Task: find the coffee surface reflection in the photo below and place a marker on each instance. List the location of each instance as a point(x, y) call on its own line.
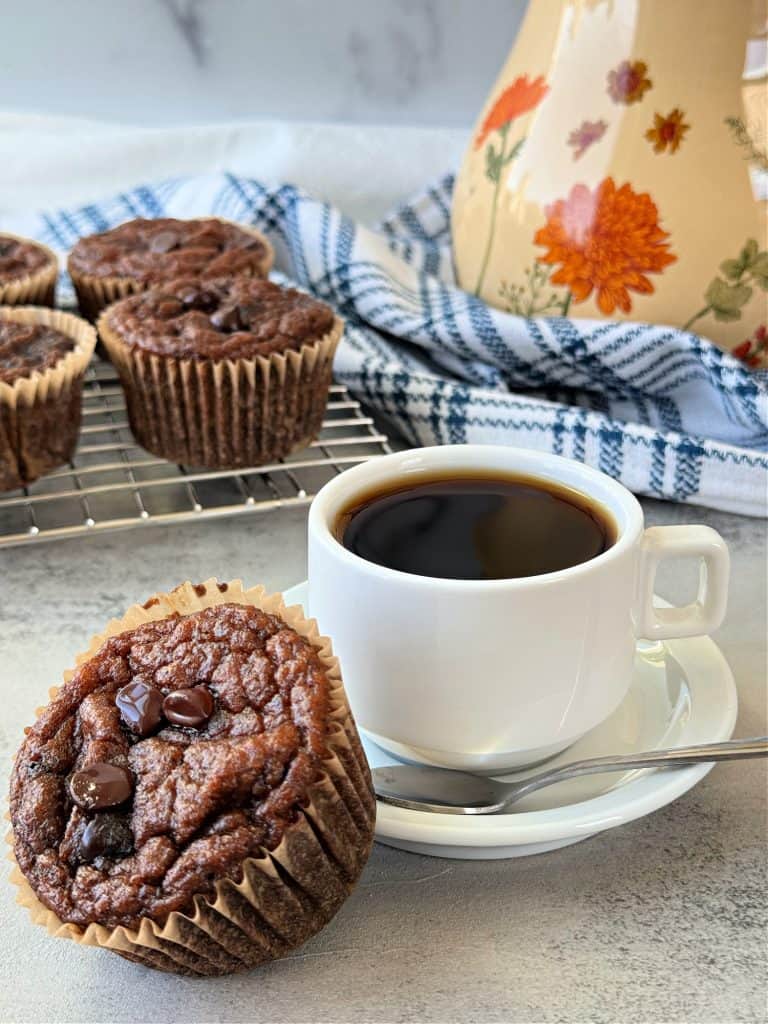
point(472, 527)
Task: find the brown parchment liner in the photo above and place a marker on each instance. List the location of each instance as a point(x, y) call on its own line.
point(36, 289)
point(224, 414)
point(95, 293)
point(286, 894)
point(40, 413)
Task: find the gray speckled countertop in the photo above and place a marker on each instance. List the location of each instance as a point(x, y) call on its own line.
point(660, 920)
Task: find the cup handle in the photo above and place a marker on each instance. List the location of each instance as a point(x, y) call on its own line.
point(708, 610)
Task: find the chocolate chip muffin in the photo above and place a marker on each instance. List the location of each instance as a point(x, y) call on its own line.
point(222, 374)
point(28, 272)
point(43, 356)
point(195, 796)
point(142, 253)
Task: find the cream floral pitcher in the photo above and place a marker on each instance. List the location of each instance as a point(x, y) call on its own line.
point(609, 173)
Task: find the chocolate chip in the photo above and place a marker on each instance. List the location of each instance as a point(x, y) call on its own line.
point(206, 300)
point(169, 308)
point(190, 296)
point(100, 785)
point(163, 241)
point(197, 298)
point(141, 707)
point(191, 707)
point(245, 314)
point(106, 834)
point(226, 319)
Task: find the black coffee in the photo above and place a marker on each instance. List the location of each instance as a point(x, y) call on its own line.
point(474, 527)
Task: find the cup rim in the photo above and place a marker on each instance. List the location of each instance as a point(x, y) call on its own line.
point(338, 491)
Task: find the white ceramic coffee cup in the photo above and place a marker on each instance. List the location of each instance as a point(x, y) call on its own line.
point(486, 675)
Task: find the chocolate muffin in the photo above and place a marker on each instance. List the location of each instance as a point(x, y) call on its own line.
point(43, 356)
point(195, 796)
point(28, 272)
point(222, 374)
point(142, 253)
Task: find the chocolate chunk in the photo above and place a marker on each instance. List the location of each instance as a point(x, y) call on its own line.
point(141, 707)
point(163, 241)
point(189, 295)
point(197, 298)
point(191, 707)
point(206, 300)
point(227, 319)
point(106, 834)
point(100, 785)
point(169, 308)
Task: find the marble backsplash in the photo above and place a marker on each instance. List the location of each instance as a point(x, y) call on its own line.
point(164, 61)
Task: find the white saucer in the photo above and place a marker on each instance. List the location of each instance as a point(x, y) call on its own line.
point(682, 693)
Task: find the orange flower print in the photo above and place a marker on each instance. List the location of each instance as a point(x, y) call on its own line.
point(628, 83)
point(522, 96)
point(754, 351)
point(607, 241)
point(667, 132)
point(586, 135)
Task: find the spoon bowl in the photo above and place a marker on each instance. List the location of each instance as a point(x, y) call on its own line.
point(419, 787)
point(442, 791)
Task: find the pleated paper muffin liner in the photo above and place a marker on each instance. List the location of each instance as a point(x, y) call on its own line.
point(226, 414)
point(40, 413)
point(287, 894)
point(95, 293)
point(35, 289)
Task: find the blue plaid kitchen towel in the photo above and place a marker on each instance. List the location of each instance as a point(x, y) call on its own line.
point(661, 410)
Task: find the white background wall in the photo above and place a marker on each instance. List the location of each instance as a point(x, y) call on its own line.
point(165, 61)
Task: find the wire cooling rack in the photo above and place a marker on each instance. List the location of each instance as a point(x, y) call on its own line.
point(113, 484)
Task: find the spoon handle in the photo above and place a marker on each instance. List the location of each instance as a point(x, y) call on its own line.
point(733, 750)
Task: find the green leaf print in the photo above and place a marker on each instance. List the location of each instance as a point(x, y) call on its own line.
point(726, 300)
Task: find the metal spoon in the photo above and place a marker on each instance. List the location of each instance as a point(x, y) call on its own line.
point(421, 788)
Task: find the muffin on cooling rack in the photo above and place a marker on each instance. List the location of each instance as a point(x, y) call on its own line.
point(141, 253)
point(195, 797)
point(222, 374)
point(28, 272)
point(43, 356)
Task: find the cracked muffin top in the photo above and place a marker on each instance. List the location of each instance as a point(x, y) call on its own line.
point(181, 748)
point(20, 257)
point(237, 318)
point(25, 348)
point(160, 249)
